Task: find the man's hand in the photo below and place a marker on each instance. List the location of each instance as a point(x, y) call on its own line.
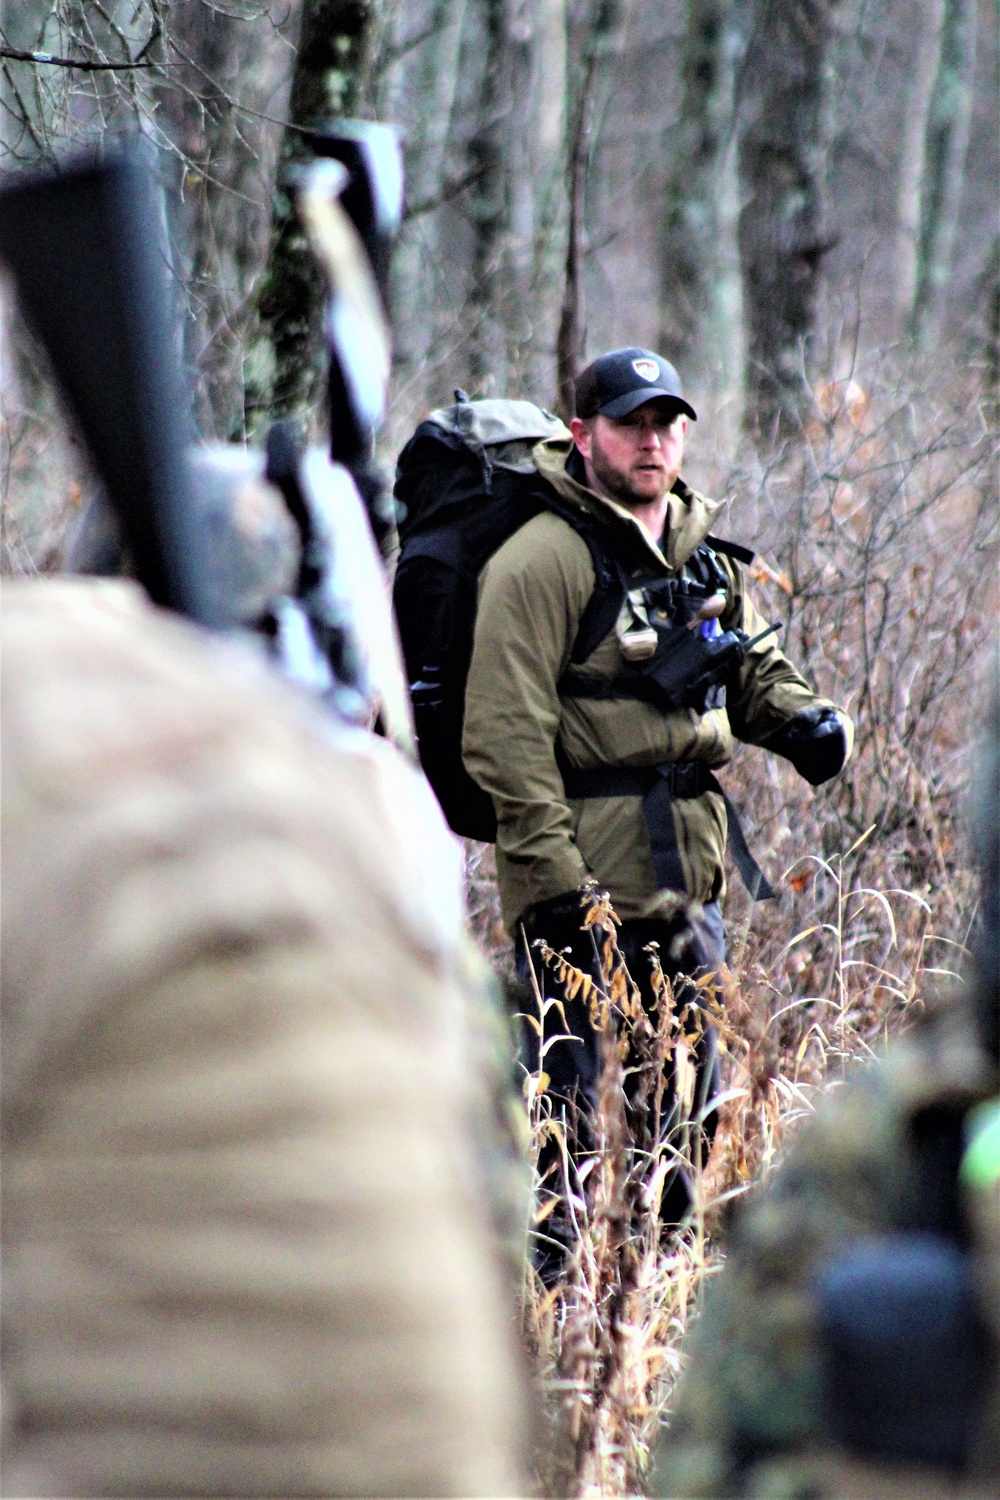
point(565, 911)
point(818, 742)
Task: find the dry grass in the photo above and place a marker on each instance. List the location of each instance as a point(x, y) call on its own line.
point(607, 1341)
point(798, 1009)
point(603, 1339)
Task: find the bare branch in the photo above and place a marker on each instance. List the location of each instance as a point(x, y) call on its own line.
point(14, 54)
point(448, 191)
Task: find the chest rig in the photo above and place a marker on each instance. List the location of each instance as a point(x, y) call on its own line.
point(666, 644)
point(676, 656)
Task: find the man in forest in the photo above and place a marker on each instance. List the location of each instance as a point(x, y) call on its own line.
point(603, 769)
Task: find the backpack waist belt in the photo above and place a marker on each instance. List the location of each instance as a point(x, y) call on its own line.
point(658, 786)
point(683, 778)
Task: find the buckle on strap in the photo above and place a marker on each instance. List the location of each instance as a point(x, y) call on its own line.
point(686, 778)
point(679, 779)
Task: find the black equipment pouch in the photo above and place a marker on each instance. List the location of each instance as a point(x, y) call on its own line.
point(687, 671)
point(692, 659)
point(690, 670)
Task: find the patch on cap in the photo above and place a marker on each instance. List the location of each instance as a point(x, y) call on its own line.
point(647, 369)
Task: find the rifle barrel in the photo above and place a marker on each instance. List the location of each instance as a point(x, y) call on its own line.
point(777, 625)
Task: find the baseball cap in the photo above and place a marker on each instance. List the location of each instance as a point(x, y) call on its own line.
point(620, 381)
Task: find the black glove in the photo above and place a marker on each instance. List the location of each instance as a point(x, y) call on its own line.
point(556, 913)
point(815, 742)
point(559, 921)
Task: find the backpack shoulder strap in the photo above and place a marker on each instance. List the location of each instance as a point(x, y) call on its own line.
point(734, 550)
point(604, 605)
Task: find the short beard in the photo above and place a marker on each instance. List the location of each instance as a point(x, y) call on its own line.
point(617, 485)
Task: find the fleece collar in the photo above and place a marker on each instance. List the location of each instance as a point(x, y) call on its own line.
point(689, 515)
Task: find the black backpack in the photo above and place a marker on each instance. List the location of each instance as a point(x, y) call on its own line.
point(466, 482)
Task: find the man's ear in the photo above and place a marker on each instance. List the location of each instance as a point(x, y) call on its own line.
point(581, 435)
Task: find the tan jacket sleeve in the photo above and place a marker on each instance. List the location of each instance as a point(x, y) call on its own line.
point(246, 1247)
point(531, 596)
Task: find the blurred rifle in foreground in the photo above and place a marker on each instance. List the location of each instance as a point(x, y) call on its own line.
point(355, 254)
point(83, 248)
point(86, 251)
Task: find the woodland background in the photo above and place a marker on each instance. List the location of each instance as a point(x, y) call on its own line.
point(768, 191)
point(797, 202)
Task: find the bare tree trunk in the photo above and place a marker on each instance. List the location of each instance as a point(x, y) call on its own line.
point(534, 149)
point(601, 41)
point(569, 339)
point(781, 227)
point(479, 88)
point(288, 354)
point(431, 83)
point(701, 276)
point(928, 20)
point(489, 209)
point(226, 89)
point(989, 338)
point(518, 209)
point(944, 167)
point(548, 157)
point(209, 87)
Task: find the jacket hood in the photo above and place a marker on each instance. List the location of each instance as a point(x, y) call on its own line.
point(689, 515)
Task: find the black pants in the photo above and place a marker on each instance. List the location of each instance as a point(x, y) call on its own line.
point(689, 946)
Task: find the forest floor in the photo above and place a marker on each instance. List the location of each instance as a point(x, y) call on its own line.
point(607, 1343)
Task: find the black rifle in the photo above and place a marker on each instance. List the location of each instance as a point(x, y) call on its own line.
point(91, 280)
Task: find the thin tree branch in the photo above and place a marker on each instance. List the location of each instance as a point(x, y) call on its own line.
point(449, 190)
point(14, 54)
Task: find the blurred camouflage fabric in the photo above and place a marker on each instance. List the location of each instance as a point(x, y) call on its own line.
point(749, 1417)
point(900, 1164)
point(248, 1246)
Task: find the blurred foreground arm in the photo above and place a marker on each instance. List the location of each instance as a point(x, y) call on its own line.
point(246, 1249)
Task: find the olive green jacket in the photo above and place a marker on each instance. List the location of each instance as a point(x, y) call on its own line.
point(532, 594)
